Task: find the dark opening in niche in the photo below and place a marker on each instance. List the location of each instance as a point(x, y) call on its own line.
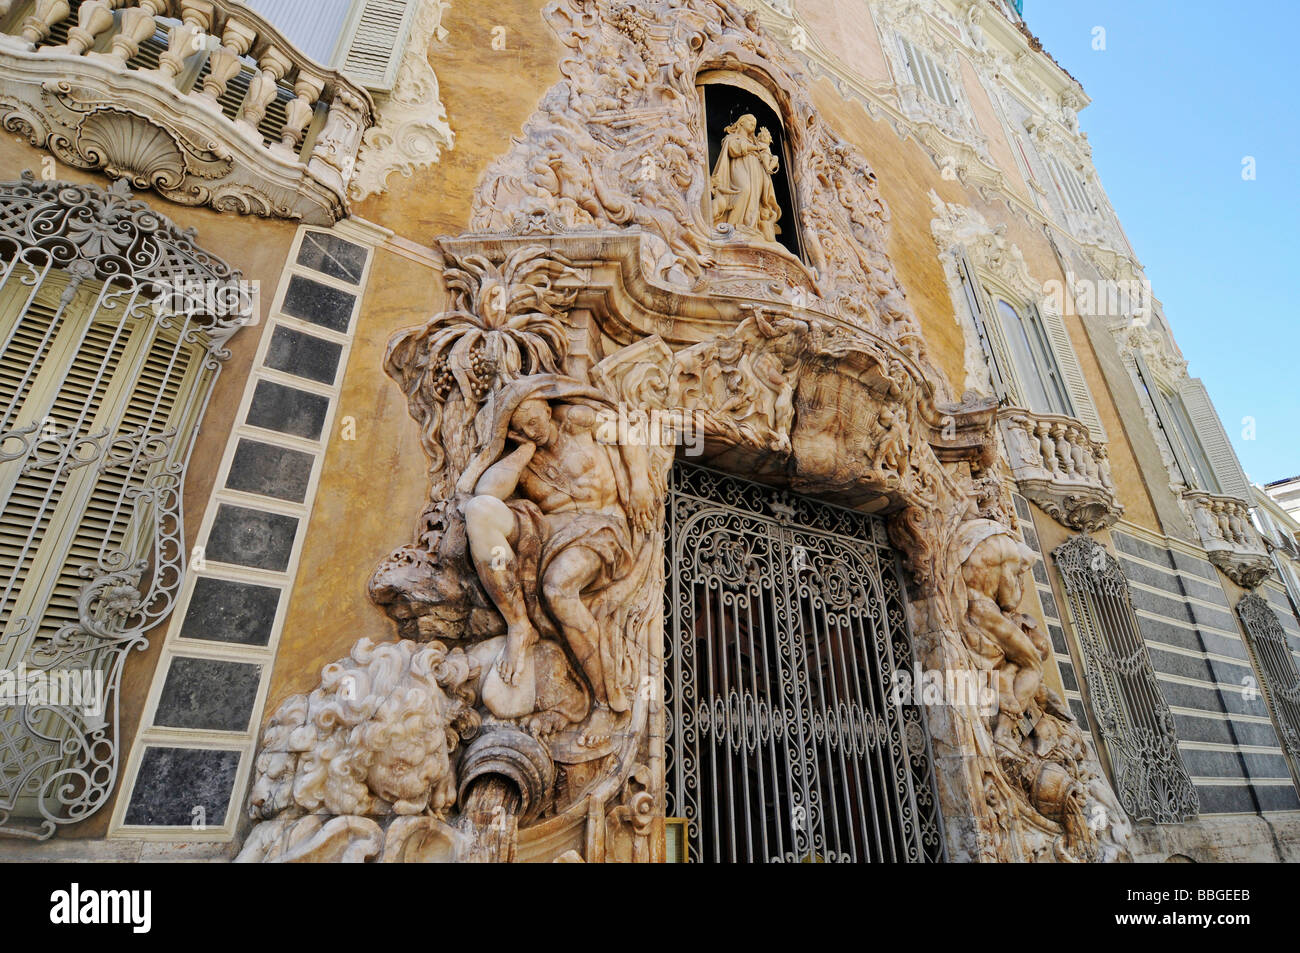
point(723, 105)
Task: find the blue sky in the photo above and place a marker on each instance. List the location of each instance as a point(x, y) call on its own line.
point(1183, 91)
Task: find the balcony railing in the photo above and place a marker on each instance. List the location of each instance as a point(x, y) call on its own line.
point(1229, 537)
point(202, 100)
point(1060, 467)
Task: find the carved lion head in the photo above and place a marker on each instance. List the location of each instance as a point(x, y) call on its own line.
point(376, 736)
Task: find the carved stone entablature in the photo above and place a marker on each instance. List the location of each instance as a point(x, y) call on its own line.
point(1058, 465)
point(104, 112)
point(1229, 537)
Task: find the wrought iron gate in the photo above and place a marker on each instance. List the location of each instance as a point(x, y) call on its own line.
point(785, 628)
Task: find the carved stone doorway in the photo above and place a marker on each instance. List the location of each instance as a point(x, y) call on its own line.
point(785, 630)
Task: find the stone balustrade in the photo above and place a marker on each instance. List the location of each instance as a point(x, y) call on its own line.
point(1229, 537)
point(1060, 467)
point(202, 100)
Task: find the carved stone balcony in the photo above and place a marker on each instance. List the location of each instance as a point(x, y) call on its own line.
point(1229, 537)
point(201, 100)
point(1060, 468)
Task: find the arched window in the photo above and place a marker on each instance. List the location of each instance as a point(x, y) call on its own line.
point(112, 329)
point(754, 147)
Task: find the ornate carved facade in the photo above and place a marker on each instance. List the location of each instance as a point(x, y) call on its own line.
point(541, 543)
point(683, 458)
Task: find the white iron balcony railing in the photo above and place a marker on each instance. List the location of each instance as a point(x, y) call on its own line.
point(1060, 467)
point(201, 100)
point(1229, 537)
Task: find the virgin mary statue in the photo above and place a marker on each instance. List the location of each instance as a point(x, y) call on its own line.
point(742, 191)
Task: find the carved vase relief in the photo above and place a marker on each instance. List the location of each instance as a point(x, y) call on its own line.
point(594, 323)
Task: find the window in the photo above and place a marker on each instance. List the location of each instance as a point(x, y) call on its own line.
point(1031, 361)
point(102, 385)
point(927, 74)
point(1035, 364)
point(1071, 185)
point(1201, 450)
point(1276, 666)
point(1136, 726)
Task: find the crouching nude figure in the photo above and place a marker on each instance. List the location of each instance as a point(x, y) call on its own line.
point(555, 518)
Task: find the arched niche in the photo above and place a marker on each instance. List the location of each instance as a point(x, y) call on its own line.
point(725, 96)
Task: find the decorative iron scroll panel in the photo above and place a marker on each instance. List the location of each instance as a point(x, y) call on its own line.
point(113, 327)
point(1277, 666)
point(1135, 721)
point(785, 628)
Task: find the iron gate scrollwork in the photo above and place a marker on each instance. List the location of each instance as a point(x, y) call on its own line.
point(785, 630)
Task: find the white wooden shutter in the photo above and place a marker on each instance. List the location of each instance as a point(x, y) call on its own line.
point(995, 354)
point(1214, 440)
point(1067, 365)
point(375, 42)
point(1164, 417)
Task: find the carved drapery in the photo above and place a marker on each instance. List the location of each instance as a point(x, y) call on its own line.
point(594, 320)
point(126, 456)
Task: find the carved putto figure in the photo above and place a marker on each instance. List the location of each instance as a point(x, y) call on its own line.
point(743, 195)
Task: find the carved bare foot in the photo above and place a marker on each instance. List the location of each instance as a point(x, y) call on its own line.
point(544, 724)
point(515, 652)
point(600, 725)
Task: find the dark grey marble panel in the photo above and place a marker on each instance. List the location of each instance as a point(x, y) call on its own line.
point(1195, 728)
point(1169, 607)
point(1080, 714)
point(1067, 676)
point(248, 537)
point(1141, 549)
point(172, 782)
point(1058, 638)
point(1022, 507)
point(1225, 799)
point(208, 694)
point(1213, 764)
point(1050, 608)
point(288, 410)
point(318, 303)
point(223, 610)
point(1172, 663)
point(1194, 566)
point(1204, 698)
point(303, 355)
point(1261, 765)
point(1277, 798)
point(278, 472)
point(332, 256)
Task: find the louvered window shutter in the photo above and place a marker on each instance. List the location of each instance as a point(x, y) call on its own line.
point(91, 378)
point(375, 42)
point(1164, 415)
point(995, 355)
point(1214, 440)
point(1069, 371)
